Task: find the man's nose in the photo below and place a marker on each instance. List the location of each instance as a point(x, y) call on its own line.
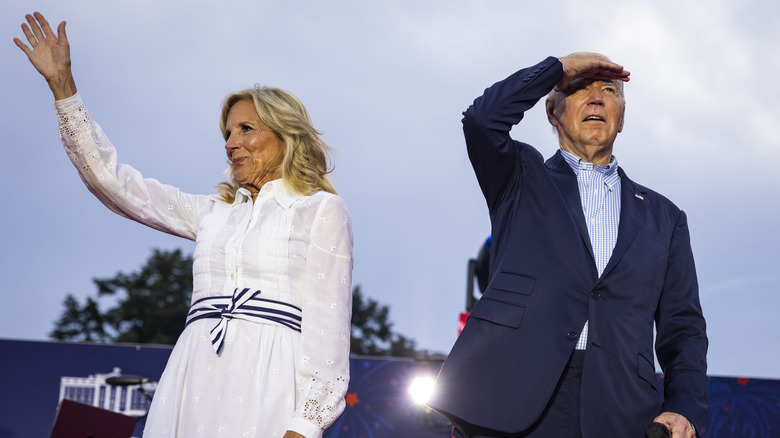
point(595, 97)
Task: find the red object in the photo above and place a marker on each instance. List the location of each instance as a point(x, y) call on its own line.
point(76, 420)
point(462, 322)
point(352, 399)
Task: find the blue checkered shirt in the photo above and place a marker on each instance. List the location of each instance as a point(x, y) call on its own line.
point(600, 197)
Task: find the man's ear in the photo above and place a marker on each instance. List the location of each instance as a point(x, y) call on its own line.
point(622, 118)
point(550, 108)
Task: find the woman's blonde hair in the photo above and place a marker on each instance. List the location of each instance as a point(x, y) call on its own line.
point(305, 164)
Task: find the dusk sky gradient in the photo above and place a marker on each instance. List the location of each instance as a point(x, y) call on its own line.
point(386, 82)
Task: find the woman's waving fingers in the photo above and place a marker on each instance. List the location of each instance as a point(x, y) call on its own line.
point(49, 53)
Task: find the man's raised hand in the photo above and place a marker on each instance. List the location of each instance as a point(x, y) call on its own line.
point(589, 66)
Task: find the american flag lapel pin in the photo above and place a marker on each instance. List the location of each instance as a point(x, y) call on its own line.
point(640, 197)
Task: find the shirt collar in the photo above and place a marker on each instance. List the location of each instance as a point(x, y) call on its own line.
point(284, 195)
point(576, 163)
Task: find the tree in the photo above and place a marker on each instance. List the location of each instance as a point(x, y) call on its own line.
point(372, 331)
point(153, 302)
point(79, 323)
point(151, 308)
point(156, 299)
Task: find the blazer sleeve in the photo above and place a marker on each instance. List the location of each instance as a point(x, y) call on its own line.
point(681, 342)
point(487, 122)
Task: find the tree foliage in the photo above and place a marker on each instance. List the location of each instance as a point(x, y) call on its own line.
point(81, 323)
point(372, 331)
point(152, 304)
point(151, 307)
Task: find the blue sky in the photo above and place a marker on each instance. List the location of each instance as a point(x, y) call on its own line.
point(386, 82)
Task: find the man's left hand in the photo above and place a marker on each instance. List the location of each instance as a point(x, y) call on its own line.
point(678, 425)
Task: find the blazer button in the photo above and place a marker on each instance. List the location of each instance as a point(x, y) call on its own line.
point(595, 295)
point(572, 335)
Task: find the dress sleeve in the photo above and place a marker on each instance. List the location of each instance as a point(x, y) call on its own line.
point(323, 372)
point(120, 187)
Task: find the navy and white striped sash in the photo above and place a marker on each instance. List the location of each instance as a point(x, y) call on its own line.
point(243, 305)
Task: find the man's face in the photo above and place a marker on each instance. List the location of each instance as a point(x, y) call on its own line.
point(590, 116)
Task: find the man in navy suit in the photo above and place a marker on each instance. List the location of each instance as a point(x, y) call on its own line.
point(584, 264)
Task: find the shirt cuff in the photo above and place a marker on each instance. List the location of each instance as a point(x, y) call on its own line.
point(62, 106)
point(305, 428)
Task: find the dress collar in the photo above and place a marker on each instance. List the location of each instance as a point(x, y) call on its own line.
point(284, 195)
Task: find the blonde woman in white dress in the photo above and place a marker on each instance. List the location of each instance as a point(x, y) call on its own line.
point(265, 352)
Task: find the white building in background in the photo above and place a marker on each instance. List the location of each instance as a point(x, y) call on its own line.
point(94, 391)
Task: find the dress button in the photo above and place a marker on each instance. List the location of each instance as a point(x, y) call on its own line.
point(595, 295)
point(572, 335)
point(233, 276)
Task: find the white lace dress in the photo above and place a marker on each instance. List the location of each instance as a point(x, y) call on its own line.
point(268, 377)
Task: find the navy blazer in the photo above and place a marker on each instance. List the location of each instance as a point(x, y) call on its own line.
point(504, 367)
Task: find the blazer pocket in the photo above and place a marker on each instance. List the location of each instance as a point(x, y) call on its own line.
point(509, 287)
point(498, 312)
point(646, 370)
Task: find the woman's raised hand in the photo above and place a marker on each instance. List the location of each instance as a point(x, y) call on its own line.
point(49, 54)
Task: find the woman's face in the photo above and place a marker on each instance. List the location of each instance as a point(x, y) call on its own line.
point(253, 149)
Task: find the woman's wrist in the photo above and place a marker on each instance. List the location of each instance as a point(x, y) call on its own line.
point(63, 87)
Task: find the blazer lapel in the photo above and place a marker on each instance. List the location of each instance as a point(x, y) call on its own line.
point(566, 181)
point(632, 213)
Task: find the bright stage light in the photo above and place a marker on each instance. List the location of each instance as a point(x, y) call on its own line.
point(421, 389)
